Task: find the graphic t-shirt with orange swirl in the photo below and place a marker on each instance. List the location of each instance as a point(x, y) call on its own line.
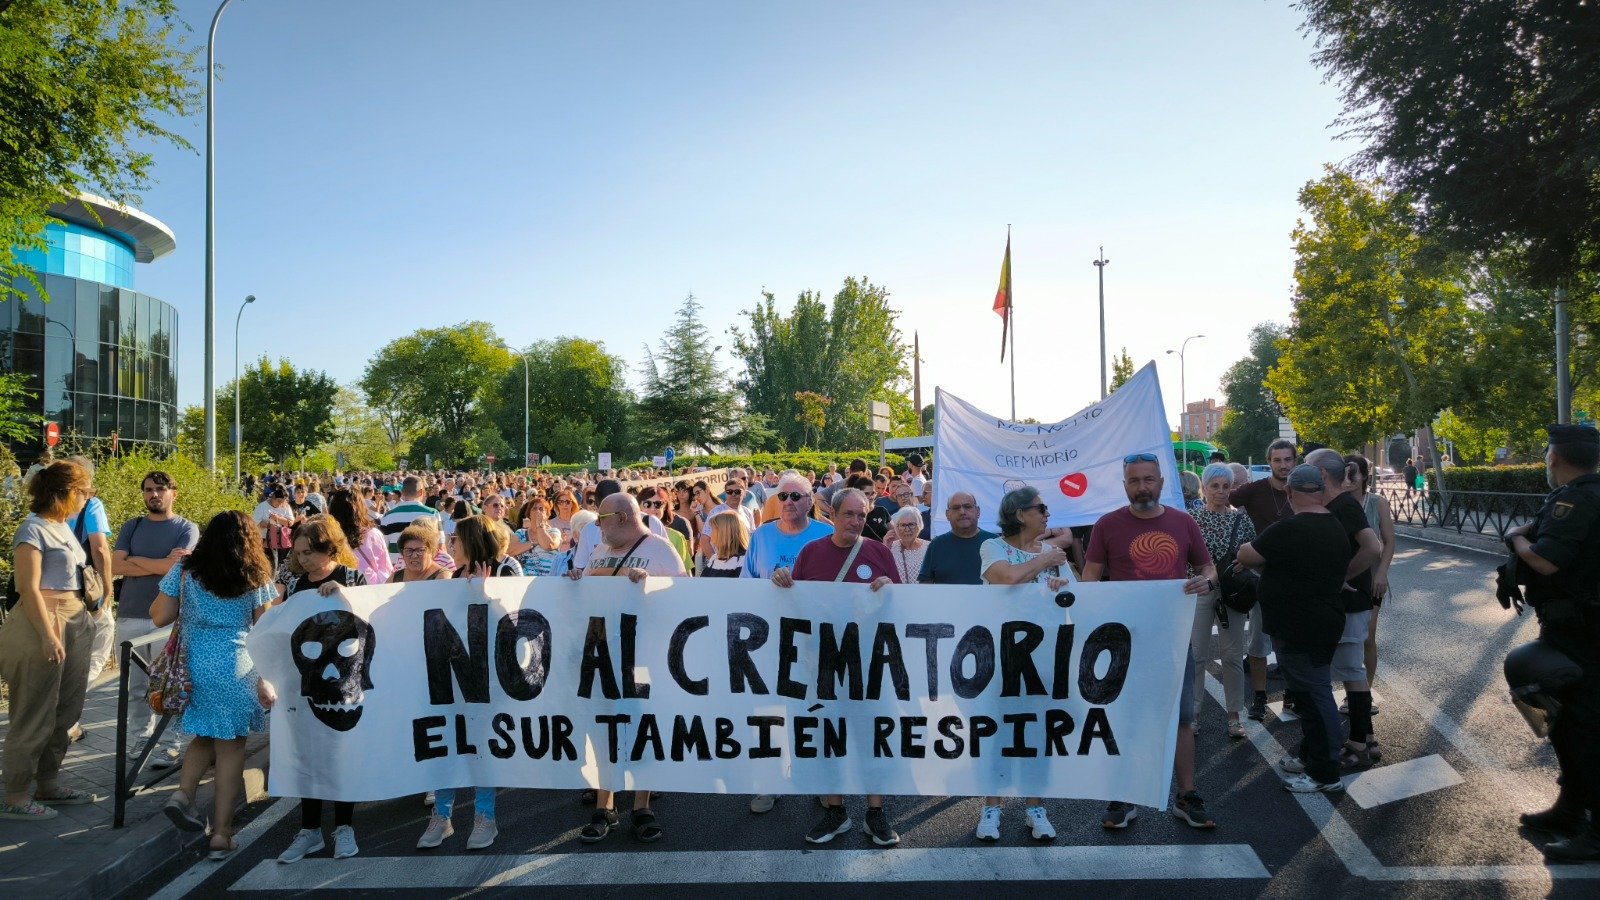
point(1135, 549)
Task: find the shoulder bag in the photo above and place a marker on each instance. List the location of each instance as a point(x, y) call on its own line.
point(170, 685)
point(1236, 583)
point(91, 587)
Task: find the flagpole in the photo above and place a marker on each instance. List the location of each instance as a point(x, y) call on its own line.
point(1011, 325)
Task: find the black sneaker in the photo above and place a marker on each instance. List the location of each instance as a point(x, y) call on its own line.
point(879, 829)
point(1258, 708)
point(1119, 815)
point(1191, 810)
point(1558, 820)
point(833, 823)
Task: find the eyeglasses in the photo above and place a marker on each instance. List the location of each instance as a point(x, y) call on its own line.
point(606, 516)
point(414, 551)
point(1132, 458)
point(785, 496)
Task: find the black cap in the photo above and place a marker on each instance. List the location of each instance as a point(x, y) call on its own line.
point(914, 459)
point(1573, 434)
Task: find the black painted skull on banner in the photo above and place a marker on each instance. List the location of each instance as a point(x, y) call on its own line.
point(333, 651)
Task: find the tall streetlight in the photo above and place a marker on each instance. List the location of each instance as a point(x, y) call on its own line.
point(1183, 397)
point(211, 247)
point(238, 388)
point(525, 448)
point(1100, 264)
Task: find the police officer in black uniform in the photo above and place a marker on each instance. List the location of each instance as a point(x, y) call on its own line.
point(1559, 558)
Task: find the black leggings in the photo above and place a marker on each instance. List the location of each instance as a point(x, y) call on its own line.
point(311, 813)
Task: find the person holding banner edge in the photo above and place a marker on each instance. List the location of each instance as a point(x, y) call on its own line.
point(1146, 541)
point(845, 556)
point(627, 548)
point(1022, 554)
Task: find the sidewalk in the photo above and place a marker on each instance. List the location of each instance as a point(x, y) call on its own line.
point(78, 854)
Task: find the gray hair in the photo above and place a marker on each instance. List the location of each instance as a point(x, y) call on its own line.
point(1191, 483)
point(1011, 504)
point(794, 479)
point(842, 494)
point(1239, 471)
point(906, 513)
point(1331, 463)
point(1216, 470)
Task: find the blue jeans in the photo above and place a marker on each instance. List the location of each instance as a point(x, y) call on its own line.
point(1305, 671)
point(483, 801)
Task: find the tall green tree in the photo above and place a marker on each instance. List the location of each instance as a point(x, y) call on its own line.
point(687, 400)
point(1380, 319)
point(1121, 369)
point(850, 352)
point(16, 423)
point(286, 413)
point(437, 382)
point(1484, 110)
point(1251, 422)
point(358, 433)
point(578, 398)
point(88, 87)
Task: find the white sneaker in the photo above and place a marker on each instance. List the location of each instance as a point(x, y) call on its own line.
point(1305, 784)
point(438, 829)
point(306, 842)
point(1292, 765)
point(1039, 820)
point(344, 842)
point(484, 831)
point(989, 824)
point(762, 803)
point(427, 799)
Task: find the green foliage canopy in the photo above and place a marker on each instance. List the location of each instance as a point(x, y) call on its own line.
point(1251, 422)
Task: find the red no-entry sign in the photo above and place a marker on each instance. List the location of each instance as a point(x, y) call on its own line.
point(52, 434)
point(1074, 485)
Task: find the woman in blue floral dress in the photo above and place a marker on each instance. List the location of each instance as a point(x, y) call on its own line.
point(218, 592)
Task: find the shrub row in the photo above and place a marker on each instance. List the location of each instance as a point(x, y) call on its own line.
point(801, 460)
point(1495, 479)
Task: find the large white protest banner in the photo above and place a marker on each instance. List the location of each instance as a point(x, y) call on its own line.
point(733, 686)
point(1075, 464)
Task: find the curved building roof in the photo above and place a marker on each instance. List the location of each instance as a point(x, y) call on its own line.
point(149, 237)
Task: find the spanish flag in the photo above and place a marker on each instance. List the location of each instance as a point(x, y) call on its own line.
point(1002, 298)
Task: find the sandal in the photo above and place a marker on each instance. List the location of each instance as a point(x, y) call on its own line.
point(645, 827)
point(64, 796)
point(600, 825)
point(221, 853)
point(1373, 750)
point(1235, 728)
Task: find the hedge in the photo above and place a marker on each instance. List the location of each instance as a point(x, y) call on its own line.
point(1495, 479)
point(801, 460)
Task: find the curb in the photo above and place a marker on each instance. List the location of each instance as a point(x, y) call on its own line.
point(1457, 541)
point(143, 848)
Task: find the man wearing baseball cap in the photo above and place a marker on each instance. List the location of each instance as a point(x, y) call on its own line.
point(1302, 560)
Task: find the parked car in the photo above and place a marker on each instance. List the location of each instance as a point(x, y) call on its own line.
point(1258, 472)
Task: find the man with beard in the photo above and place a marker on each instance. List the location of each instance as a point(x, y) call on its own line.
point(1146, 541)
point(1265, 501)
point(146, 549)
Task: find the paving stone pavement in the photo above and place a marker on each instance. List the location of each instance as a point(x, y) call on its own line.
point(76, 852)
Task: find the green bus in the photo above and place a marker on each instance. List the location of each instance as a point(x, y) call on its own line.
point(1193, 456)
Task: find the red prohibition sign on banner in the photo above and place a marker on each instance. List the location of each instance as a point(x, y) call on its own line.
point(1074, 485)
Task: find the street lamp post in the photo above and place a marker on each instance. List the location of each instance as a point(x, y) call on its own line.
point(1100, 264)
point(238, 388)
point(211, 247)
point(525, 447)
point(1183, 397)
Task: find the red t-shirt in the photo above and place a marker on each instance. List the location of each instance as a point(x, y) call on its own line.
point(1135, 549)
point(821, 559)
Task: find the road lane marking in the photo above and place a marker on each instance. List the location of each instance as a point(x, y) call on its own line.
point(190, 879)
point(962, 864)
point(1401, 780)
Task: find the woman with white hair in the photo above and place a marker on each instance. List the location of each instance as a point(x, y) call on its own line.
point(1224, 529)
point(1028, 550)
point(908, 548)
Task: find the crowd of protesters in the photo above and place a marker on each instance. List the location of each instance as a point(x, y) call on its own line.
point(1319, 537)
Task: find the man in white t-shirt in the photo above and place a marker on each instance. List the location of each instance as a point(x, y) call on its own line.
point(589, 536)
point(914, 474)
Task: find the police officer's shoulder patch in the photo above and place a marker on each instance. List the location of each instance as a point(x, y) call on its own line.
point(1563, 507)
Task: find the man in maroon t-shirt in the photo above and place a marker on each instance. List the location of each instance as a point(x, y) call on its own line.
point(1146, 541)
point(846, 556)
point(1266, 501)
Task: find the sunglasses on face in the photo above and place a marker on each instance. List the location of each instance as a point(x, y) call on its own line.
point(1043, 510)
point(785, 496)
point(735, 491)
point(652, 504)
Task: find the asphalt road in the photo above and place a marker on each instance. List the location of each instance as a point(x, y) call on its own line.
point(1437, 818)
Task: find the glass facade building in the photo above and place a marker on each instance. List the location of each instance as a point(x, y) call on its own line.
point(100, 357)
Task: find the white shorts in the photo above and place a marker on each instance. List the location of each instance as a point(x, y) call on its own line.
point(1350, 657)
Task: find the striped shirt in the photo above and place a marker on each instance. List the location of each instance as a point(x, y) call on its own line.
point(399, 519)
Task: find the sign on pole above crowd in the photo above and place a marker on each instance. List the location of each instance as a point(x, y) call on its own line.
point(604, 461)
point(1076, 463)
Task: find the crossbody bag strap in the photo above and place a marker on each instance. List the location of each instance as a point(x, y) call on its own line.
point(845, 569)
point(624, 558)
point(1233, 539)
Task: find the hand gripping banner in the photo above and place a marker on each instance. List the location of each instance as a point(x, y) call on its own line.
point(726, 686)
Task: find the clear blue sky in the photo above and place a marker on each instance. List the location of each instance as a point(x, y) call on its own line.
point(578, 168)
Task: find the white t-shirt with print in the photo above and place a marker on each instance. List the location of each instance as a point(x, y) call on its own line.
point(654, 554)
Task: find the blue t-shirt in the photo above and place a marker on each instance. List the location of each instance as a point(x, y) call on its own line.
point(96, 521)
point(953, 560)
point(772, 549)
